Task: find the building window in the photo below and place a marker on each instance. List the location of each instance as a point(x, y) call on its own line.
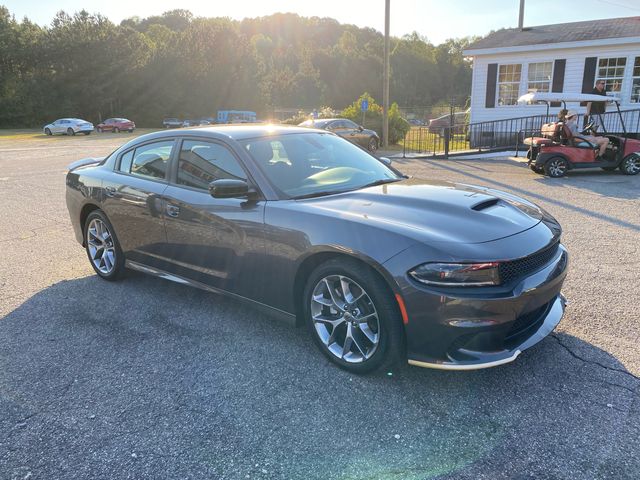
point(509, 84)
point(539, 77)
point(611, 70)
point(635, 87)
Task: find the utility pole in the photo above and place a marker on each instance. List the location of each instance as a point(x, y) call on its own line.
point(521, 16)
point(385, 82)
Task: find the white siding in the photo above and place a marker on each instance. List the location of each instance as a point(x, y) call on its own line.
point(574, 71)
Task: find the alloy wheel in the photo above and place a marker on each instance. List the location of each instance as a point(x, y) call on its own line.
point(632, 165)
point(101, 246)
point(557, 167)
point(345, 319)
point(373, 145)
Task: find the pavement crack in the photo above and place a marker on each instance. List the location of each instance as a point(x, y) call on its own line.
point(593, 362)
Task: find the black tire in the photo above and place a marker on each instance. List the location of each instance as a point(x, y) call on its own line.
point(379, 299)
point(630, 164)
point(115, 130)
point(372, 146)
point(47, 132)
point(130, 131)
point(70, 131)
point(556, 167)
point(118, 261)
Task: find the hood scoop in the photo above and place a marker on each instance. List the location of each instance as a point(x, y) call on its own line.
point(485, 204)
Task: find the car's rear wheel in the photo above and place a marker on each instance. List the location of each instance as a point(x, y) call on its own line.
point(70, 131)
point(99, 129)
point(631, 164)
point(47, 131)
point(352, 316)
point(102, 246)
point(556, 167)
point(372, 146)
point(116, 130)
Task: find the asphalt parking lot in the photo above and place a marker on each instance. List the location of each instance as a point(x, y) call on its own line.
point(149, 379)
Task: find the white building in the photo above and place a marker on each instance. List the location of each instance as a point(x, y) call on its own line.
point(566, 57)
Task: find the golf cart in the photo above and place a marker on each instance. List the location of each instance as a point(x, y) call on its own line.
point(556, 150)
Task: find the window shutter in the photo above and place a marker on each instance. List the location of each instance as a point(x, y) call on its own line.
point(557, 84)
point(589, 75)
point(492, 78)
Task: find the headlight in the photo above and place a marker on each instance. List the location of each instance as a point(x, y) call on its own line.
point(457, 274)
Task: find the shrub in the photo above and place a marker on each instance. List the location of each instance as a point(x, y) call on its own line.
point(398, 126)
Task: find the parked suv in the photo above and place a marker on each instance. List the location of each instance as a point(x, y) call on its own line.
point(438, 125)
point(172, 122)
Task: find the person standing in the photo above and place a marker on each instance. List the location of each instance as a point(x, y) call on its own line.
point(596, 109)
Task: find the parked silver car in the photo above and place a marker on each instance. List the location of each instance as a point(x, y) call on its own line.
point(69, 126)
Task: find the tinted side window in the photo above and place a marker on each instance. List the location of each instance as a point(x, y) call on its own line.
point(125, 161)
point(201, 163)
point(148, 161)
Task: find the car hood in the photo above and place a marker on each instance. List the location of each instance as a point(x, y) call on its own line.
point(431, 211)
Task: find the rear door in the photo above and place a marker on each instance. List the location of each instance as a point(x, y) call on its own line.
point(132, 199)
point(216, 241)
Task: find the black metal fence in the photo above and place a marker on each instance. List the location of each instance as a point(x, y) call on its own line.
point(499, 135)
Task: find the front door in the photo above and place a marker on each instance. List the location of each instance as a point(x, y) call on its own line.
point(215, 241)
point(132, 199)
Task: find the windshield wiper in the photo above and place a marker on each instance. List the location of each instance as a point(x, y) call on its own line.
point(319, 194)
point(382, 181)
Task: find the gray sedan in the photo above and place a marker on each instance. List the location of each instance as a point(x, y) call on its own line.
point(68, 126)
point(305, 225)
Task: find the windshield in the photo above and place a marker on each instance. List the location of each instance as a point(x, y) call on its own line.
point(315, 164)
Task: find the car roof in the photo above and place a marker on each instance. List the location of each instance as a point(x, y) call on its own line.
point(235, 132)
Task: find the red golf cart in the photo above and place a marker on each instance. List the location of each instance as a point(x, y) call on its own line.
point(557, 151)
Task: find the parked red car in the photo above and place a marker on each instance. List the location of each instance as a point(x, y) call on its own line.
point(116, 125)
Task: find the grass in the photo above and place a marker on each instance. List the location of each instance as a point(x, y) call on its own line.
point(33, 133)
point(418, 139)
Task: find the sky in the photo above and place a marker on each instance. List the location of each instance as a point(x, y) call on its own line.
point(435, 19)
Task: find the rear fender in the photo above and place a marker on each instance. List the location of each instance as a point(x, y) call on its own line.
point(543, 157)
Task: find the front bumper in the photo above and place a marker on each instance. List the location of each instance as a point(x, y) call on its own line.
point(479, 359)
point(466, 328)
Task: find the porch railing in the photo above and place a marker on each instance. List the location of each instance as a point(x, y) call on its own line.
point(499, 135)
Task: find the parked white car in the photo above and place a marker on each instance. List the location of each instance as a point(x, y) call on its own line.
point(68, 126)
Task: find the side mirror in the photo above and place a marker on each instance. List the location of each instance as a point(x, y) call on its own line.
point(228, 188)
point(360, 128)
point(385, 160)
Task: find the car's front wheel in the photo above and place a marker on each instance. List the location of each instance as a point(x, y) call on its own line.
point(372, 146)
point(115, 130)
point(102, 246)
point(556, 167)
point(631, 164)
point(352, 316)
point(47, 131)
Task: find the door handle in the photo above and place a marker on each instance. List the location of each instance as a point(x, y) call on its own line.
point(173, 210)
point(110, 191)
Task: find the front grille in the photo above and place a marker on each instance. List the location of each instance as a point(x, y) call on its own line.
point(516, 269)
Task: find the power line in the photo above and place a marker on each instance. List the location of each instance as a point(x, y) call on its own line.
point(637, 9)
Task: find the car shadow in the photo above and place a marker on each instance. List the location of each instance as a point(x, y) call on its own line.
point(148, 378)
